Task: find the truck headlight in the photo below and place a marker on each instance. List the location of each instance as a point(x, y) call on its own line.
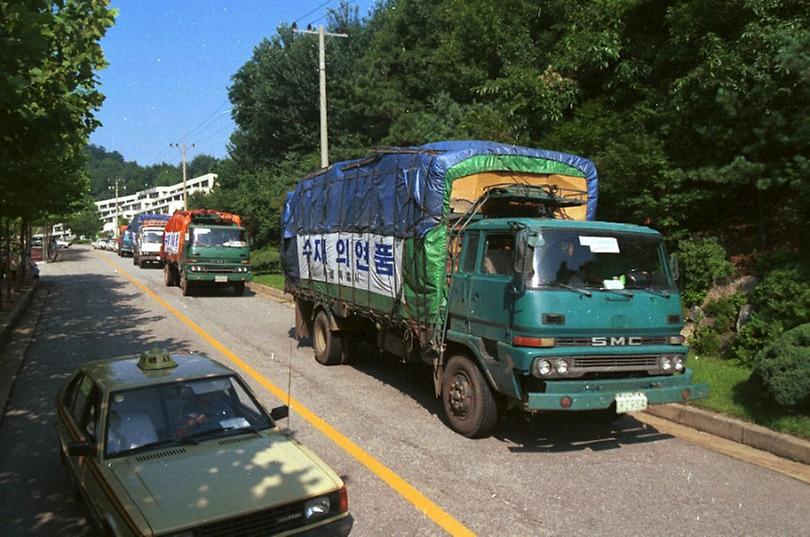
point(317, 507)
point(678, 363)
point(666, 363)
point(562, 367)
point(543, 367)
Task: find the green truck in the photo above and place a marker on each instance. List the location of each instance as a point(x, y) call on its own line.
point(204, 247)
point(486, 262)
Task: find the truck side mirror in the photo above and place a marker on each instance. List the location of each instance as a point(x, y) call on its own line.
point(674, 268)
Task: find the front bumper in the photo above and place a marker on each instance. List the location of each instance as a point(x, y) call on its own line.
point(219, 277)
point(337, 528)
point(155, 258)
point(600, 394)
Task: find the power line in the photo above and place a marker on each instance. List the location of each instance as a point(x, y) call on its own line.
point(313, 11)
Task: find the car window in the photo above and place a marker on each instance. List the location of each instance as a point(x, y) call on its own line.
point(70, 391)
point(168, 413)
point(80, 402)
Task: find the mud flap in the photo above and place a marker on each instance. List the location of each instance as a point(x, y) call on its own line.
point(301, 327)
point(438, 376)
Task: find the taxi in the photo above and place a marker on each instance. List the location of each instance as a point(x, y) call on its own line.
point(178, 445)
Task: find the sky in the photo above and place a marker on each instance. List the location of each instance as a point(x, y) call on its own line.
point(170, 66)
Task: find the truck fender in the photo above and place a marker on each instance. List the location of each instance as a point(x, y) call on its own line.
point(333, 325)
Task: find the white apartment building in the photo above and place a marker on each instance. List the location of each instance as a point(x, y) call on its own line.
point(159, 199)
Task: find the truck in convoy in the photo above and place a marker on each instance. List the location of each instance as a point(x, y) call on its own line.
point(124, 241)
point(203, 247)
point(485, 261)
point(147, 231)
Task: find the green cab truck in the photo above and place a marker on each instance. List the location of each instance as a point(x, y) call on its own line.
point(203, 247)
point(485, 261)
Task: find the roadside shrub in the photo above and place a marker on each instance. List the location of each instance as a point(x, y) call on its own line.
point(265, 260)
point(704, 262)
point(753, 337)
point(783, 369)
point(784, 295)
point(706, 341)
point(725, 310)
point(781, 301)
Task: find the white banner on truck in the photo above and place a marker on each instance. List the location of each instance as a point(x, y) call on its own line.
point(171, 242)
point(360, 260)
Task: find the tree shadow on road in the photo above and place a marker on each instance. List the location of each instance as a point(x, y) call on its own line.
point(85, 317)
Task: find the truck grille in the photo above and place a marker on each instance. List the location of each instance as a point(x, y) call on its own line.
point(268, 522)
point(586, 341)
point(606, 363)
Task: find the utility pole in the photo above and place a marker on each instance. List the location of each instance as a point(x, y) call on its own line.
point(115, 222)
point(322, 72)
point(183, 152)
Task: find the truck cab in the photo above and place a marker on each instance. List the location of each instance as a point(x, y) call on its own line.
point(215, 255)
point(147, 246)
point(569, 315)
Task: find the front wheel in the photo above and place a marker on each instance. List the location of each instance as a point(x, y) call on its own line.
point(185, 286)
point(169, 276)
point(469, 405)
point(328, 346)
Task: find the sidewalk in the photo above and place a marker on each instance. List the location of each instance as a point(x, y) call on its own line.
point(755, 436)
point(9, 317)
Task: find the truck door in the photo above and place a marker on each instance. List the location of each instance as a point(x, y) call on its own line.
point(489, 289)
point(458, 301)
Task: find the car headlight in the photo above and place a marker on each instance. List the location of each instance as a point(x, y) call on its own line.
point(543, 367)
point(317, 507)
point(562, 367)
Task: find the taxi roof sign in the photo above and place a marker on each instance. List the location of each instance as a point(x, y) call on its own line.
point(156, 359)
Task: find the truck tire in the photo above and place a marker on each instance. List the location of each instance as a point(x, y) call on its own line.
point(185, 286)
point(134, 259)
point(328, 346)
point(469, 405)
point(239, 288)
point(168, 277)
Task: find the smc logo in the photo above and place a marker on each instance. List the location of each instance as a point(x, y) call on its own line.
point(601, 341)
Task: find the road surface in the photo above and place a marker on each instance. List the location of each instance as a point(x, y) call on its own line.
point(407, 473)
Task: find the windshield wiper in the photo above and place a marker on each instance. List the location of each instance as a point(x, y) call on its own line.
point(153, 445)
point(576, 289)
point(659, 292)
point(622, 292)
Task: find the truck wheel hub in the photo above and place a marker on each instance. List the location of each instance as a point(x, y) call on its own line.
point(460, 395)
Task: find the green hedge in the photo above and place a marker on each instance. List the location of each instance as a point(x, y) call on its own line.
point(783, 368)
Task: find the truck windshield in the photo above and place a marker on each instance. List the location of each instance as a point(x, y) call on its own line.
point(152, 237)
point(219, 236)
point(599, 260)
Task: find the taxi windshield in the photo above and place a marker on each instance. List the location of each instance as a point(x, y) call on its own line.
point(180, 412)
point(599, 261)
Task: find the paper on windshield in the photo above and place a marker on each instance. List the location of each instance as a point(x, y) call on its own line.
point(600, 245)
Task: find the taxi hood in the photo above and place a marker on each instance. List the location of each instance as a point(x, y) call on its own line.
point(191, 485)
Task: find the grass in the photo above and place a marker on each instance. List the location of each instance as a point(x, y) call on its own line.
point(271, 280)
point(732, 393)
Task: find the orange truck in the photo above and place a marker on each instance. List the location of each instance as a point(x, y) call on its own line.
point(204, 247)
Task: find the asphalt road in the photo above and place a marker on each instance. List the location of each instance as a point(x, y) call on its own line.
point(543, 476)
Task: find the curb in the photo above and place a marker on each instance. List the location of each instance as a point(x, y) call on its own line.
point(16, 312)
point(279, 296)
point(755, 436)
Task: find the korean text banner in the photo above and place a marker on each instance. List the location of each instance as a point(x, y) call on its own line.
point(359, 260)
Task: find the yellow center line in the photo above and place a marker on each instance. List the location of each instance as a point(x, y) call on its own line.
point(402, 487)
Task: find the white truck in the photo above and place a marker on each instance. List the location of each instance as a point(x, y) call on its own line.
point(148, 237)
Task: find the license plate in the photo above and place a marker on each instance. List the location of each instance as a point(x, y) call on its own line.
point(630, 402)
point(220, 279)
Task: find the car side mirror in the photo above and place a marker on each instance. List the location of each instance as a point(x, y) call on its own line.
point(280, 412)
point(82, 449)
point(674, 268)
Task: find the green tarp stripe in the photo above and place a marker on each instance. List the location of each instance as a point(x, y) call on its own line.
point(512, 163)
